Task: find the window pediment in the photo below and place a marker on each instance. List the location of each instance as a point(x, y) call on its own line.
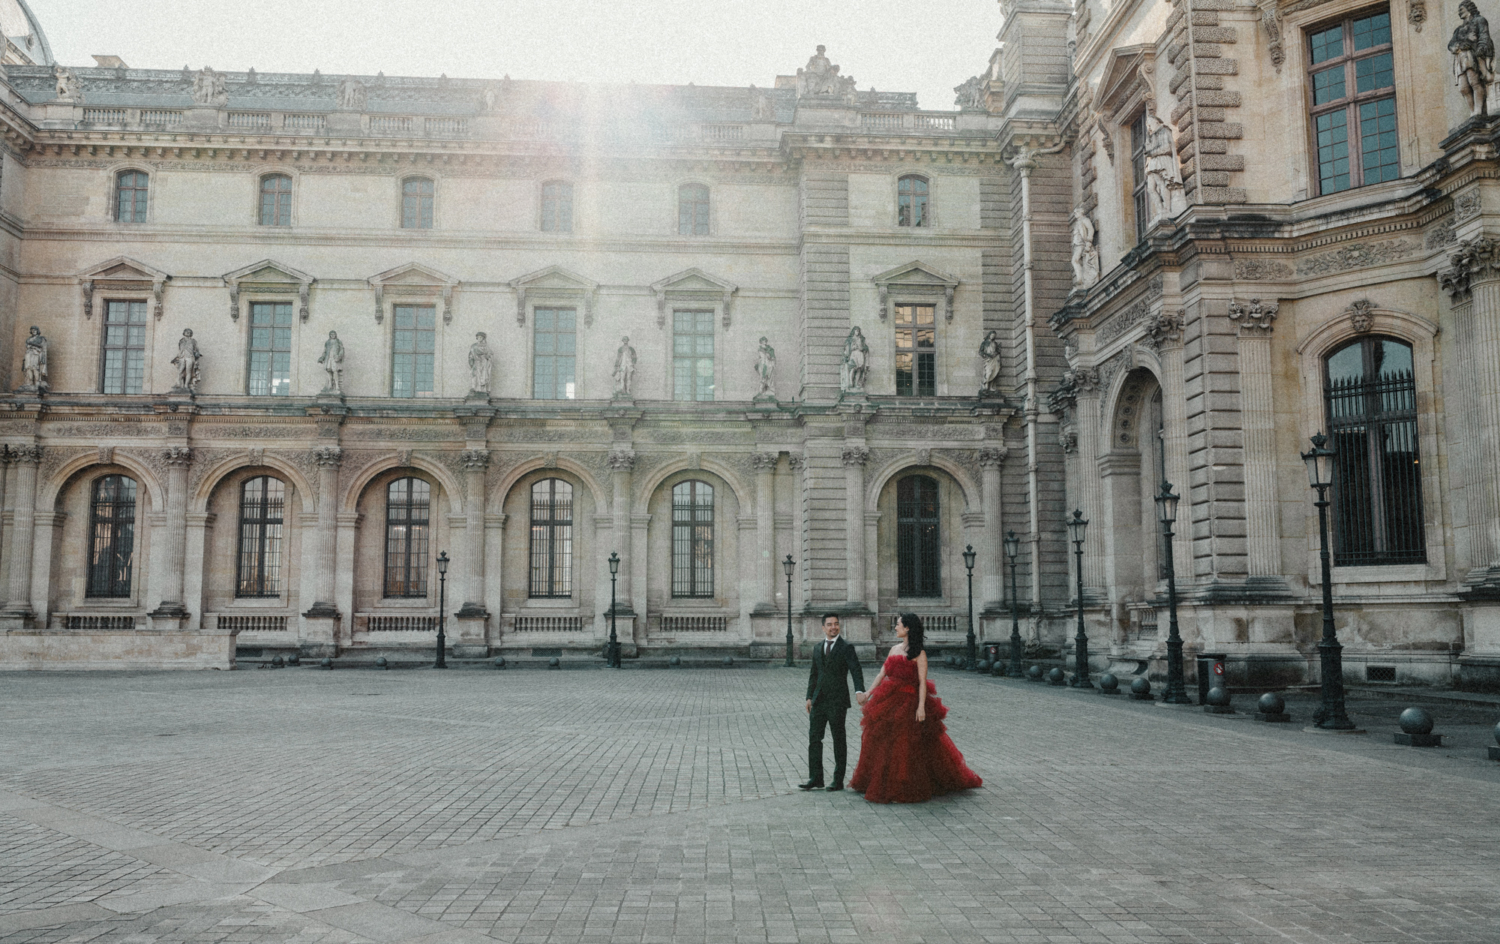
point(555, 282)
point(1125, 79)
point(915, 278)
point(268, 277)
point(693, 285)
point(123, 274)
point(413, 279)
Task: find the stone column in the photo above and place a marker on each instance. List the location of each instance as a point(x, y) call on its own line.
point(24, 459)
point(1086, 423)
point(178, 460)
point(321, 620)
point(621, 463)
point(855, 458)
point(766, 570)
point(991, 549)
point(7, 492)
point(469, 638)
point(1166, 335)
point(797, 464)
point(1262, 529)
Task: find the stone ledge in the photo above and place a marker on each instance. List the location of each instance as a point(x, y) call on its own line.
point(125, 649)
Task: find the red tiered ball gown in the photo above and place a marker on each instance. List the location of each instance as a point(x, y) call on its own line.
point(900, 759)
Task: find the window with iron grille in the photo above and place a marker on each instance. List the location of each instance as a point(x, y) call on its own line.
point(692, 355)
point(553, 358)
point(111, 537)
point(692, 539)
point(407, 508)
point(413, 341)
point(1352, 101)
point(124, 350)
point(551, 539)
point(131, 188)
point(911, 201)
point(916, 351)
point(919, 570)
point(1377, 486)
point(417, 196)
point(262, 507)
point(276, 200)
point(270, 349)
point(692, 210)
point(557, 207)
point(1139, 141)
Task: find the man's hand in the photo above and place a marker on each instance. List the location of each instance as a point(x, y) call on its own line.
point(861, 697)
point(809, 706)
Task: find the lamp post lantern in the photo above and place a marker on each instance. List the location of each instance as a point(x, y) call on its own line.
point(1166, 513)
point(1012, 551)
point(969, 557)
point(788, 566)
point(1076, 527)
point(442, 641)
point(1330, 715)
point(613, 657)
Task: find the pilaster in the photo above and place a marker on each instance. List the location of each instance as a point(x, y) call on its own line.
point(171, 610)
point(24, 461)
point(1256, 320)
point(855, 456)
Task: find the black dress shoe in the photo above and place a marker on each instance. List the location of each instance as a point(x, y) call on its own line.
point(835, 787)
point(810, 785)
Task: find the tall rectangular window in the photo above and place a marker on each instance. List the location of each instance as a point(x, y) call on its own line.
point(112, 537)
point(552, 361)
point(408, 504)
point(270, 349)
point(417, 197)
point(692, 539)
point(692, 355)
point(262, 505)
point(124, 366)
point(919, 570)
point(911, 201)
point(414, 342)
point(916, 351)
point(1140, 140)
point(557, 207)
point(276, 200)
point(692, 210)
point(551, 539)
point(131, 189)
point(1352, 102)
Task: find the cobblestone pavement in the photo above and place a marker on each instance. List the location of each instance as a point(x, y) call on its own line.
point(654, 805)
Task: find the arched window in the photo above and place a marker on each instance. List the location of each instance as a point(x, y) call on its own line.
point(1372, 417)
point(262, 506)
point(692, 539)
point(557, 207)
point(407, 510)
point(919, 571)
point(276, 200)
point(111, 537)
point(417, 195)
point(130, 196)
point(551, 539)
point(911, 201)
point(692, 210)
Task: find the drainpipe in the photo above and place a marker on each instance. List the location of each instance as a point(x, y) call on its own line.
point(1024, 161)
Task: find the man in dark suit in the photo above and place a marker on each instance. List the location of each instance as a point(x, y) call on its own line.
point(834, 659)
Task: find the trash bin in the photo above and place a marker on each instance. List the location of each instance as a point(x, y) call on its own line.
point(1210, 673)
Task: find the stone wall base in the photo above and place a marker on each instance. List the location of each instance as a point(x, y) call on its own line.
point(117, 649)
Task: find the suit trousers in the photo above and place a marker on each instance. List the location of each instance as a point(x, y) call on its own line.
point(820, 718)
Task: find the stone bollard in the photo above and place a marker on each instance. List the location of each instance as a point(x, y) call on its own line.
point(277, 662)
point(500, 662)
point(326, 664)
point(1416, 729)
point(675, 661)
point(1272, 708)
point(728, 661)
point(294, 659)
point(1108, 684)
point(1140, 689)
point(1055, 677)
point(1034, 674)
point(554, 663)
point(984, 666)
point(380, 663)
point(1217, 702)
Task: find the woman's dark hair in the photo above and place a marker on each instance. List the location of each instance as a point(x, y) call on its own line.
point(913, 624)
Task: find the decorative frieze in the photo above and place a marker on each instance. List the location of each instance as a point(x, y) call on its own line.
point(1357, 256)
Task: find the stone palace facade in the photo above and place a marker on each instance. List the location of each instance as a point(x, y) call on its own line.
point(295, 335)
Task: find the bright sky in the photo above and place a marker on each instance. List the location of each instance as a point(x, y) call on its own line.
point(922, 46)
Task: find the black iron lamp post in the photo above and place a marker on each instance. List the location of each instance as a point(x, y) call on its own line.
point(442, 642)
point(788, 566)
point(1076, 527)
point(1166, 513)
point(1012, 551)
point(612, 659)
point(969, 557)
point(1331, 714)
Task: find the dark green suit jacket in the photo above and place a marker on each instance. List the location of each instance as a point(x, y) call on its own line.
point(827, 684)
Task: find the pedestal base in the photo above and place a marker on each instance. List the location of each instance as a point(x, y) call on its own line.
point(468, 639)
point(320, 632)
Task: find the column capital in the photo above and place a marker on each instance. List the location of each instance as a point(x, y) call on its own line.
point(622, 460)
point(177, 456)
point(1255, 317)
point(328, 457)
point(993, 457)
point(1084, 381)
point(1475, 260)
point(475, 460)
point(796, 462)
point(856, 456)
point(24, 455)
point(765, 461)
point(1165, 330)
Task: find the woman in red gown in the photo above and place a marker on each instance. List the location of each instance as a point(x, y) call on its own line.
point(905, 754)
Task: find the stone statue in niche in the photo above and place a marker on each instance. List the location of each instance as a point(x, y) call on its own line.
point(69, 88)
point(856, 363)
point(208, 89)
point(333, 363)
point(186, 362)
point(765, 369)
point(1085, 253)
point(821, 79)
point(624, 372)
point(1164, 195)
point(352, 95)
point(1473, 58)
point(34, 362)
point(481, 364)
point(989, 365)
